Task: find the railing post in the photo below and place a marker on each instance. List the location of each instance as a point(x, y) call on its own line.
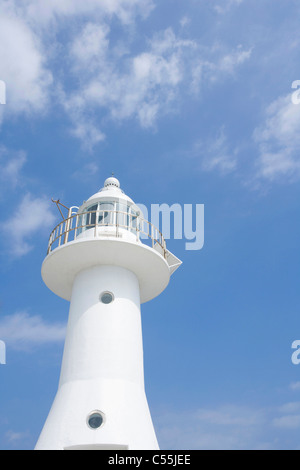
point(67, 227)
point(137, 227)
point(66, 237)
point(117, 223)
point(49, 244)
point(59, 234)
point(114, 215)
point(129, 220)
point(96, 221)
point(75, 228)
point(152, 236)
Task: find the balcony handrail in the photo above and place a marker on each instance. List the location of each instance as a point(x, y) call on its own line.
point(90, 220)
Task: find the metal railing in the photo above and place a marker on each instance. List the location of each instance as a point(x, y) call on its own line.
point(70, 229)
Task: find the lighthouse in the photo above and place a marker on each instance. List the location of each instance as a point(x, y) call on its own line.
point(106, 260)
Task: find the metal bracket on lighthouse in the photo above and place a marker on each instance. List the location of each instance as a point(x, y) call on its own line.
point(58, 203)
point(69, 209)
point(65, 219)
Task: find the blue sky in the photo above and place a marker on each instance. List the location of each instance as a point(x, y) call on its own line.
point(190, 103)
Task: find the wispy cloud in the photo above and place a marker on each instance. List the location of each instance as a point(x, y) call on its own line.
point(12, 437)
point(22, 64)
point(226, 5)
point(90, 47)
point(55, 10)
point(230, 427)
point(145, 86)
point(287, 422)
point(231, 61)
point(25, 47)
point(141, 87)
point(32, 217)
point(214, 154)
point(11, 164)
point(99, 79)
point(226, 427)
point(22, 331)
point(295, 386)
point(278, 141)
point(217, 155)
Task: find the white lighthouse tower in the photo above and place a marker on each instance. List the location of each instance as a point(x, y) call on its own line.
point(106, 260)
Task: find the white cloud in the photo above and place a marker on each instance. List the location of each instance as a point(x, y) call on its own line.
point(291, 407)
point(229, 415)
point(13, 437)
point(32, 217)
point(227, 5)
point(229, 62)
point(217, 63)
point(86, 131)
point(227, 427)
point(287, 422)
point(100, 79)
point(218, 157)
point(24, 52)
point(295, 386)
point(22, 65)
point(11, 164)
point(142, 86)
point(278, 140)
point(215, 154)
point(230, 427)
point(51, 10)
point(90, 48)
point(185, 20)
point(22, 331)
point(87, 172)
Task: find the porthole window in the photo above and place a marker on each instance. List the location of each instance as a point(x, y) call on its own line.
point(95, 420)
point(106, 297)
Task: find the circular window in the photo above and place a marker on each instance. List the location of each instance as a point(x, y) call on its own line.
point(106, 297)
point(95, 420)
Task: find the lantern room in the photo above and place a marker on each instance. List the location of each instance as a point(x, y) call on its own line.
point(109, 212)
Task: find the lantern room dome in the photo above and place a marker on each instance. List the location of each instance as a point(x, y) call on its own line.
point(111, 191)
point(111, 182)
